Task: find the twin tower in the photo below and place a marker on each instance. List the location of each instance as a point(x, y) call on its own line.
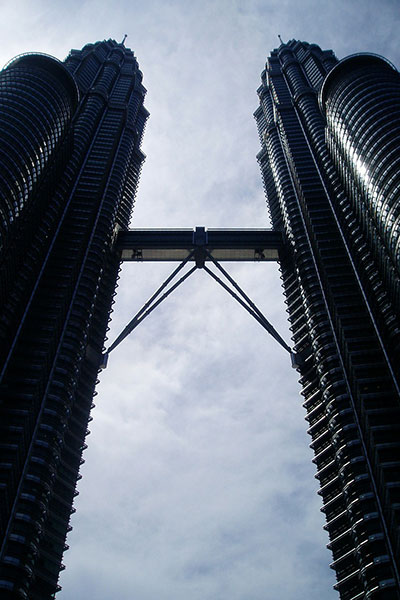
point(70, 161)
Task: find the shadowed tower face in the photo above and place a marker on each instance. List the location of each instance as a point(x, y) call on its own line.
point(340, 281)
point(67, 186)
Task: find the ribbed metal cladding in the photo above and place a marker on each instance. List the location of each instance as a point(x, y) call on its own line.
point(37, 100)
point(360, 99)
point(51, 361)
point(335, 293)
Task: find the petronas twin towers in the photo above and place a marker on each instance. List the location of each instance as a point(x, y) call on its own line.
point(70, 161)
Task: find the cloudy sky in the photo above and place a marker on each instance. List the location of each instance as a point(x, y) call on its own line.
point(198, 483)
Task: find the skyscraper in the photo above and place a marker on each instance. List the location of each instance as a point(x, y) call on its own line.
point(69, 165)
point(332, 189)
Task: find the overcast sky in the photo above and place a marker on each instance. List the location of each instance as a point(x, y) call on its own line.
point(198, 483)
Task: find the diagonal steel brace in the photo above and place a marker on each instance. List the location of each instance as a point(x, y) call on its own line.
point(149, 306)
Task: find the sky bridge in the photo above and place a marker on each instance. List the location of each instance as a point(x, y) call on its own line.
point(201, 246)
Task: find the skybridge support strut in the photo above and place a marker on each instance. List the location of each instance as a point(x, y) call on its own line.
point(201, 246)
